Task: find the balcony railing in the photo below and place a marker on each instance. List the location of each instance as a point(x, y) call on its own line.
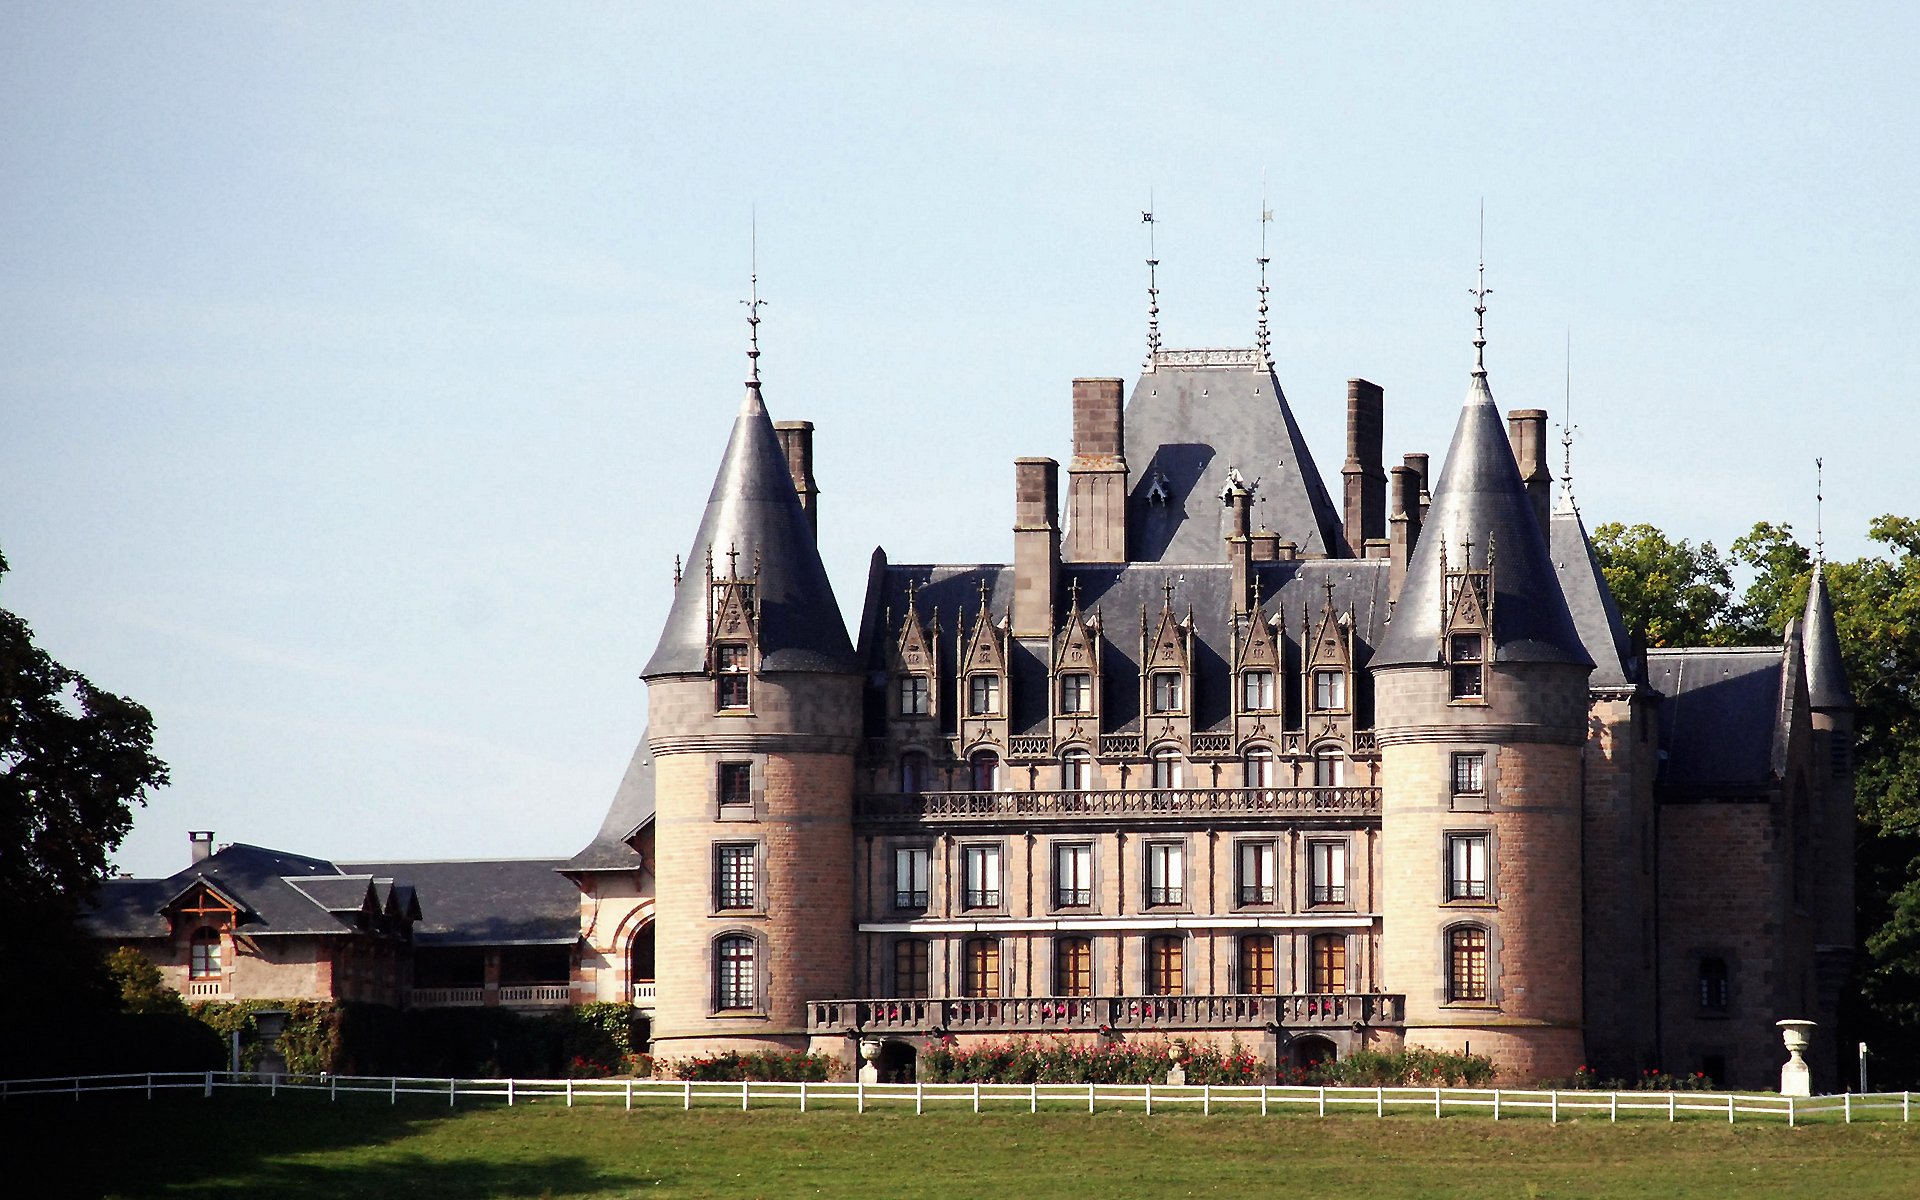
point(1085, 1014)
point(536, 994)
point(206, 988)
point(448, 997)
point(645, 992)
point(1149, 803)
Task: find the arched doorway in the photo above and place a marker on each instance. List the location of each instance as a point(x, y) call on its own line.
point(1312, 1051)
point(640, 966)
point(897, 1063)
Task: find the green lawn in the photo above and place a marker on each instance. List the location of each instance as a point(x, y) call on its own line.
point(304, 1147)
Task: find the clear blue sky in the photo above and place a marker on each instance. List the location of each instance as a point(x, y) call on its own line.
point(363, 367)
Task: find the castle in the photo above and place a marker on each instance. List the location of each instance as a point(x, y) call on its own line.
point(1210, 757)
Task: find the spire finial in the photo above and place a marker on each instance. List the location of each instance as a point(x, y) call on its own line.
point(753, 302)
point(1153, 283)
point(1073, 585)
point(1480, 293)
point(1566, 435)
point(1819, 510)
point(1261, 337)
point(1167, 587)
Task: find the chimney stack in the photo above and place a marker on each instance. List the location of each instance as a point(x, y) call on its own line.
point(1097, 474)
point(202, 840)
point(1418, 464)
point(1036, 545)
point(1366, 481)
point(1404, 522)
point(796, 443)
point(1527, 431)
point(1240, 544)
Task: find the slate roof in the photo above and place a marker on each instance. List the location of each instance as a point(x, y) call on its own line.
point(489, 901)
point(753, 509)
point(1119, 591)
point(632, 808)
point(261, 881)
point(1826, 674)
point(1480, 496)
point(1721, 723)
point(1589, 601)
point(1190, 424)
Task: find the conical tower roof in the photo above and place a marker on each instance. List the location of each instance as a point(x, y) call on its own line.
point(754, 512)
point(1590, 600)
point(1826, 674)
point(1480, 497)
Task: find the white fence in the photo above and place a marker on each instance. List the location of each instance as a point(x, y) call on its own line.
point(1500, 1103)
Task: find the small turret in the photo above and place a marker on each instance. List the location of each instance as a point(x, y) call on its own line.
point(1827, 688)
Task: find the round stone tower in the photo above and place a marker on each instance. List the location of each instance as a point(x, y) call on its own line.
point(1480, 691)
point(753, 720)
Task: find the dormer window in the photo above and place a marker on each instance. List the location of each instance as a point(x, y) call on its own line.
point(1256, 691)
point(1168, 694)
point(1076, 693)
point(731, 676)
point(983, 695)
point(1467, 656)
point(204, 960)
point(1329, 690)
point(915, 696)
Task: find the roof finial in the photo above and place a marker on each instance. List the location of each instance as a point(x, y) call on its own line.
point(1153, 288)
point(1819, 513)
point(1261, 338)
point(1480, 293)
point(1566, 435)
point(754, 303)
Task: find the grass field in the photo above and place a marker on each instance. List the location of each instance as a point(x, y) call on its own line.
point(418, 1150)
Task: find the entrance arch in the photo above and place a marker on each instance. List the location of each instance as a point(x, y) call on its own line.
point(898, 1062)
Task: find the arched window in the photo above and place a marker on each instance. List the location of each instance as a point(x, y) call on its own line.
point(986, 771)
point(1166, 962)
point(914, 772)
point(1073, 967)
point(982, 967)
point(1259, 767)
point(1329, 962)
point(1256, 964)
point(735, 984)
point(1467, 963)
point(910, 973)
point(1329, 768)
point(1076, 770)
point(1166, 767)
point(204, 961)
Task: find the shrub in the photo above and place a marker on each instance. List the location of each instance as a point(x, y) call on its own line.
point(1060, 1060)
point(790, 1066)
point(141, 985)
point(1417, 1067)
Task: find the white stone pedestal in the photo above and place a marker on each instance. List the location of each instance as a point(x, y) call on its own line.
point(1795, 1078)
point(869, 1069)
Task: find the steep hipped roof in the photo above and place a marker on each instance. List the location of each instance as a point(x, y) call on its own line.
point(259, 879)
point(632, 807)
point(1826, 674)
point(1480, 497)
point(489, 901)
point(754, 510)
point(1197, 413)
point(1720, 724)
point(1589, 600)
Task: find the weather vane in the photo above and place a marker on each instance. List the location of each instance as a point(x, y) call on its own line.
point(1153, 286)
point(754, 303)
point(1261, 337)
point(1819, 513)
point(1480, 292)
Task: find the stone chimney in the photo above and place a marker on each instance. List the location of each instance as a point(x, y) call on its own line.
point(1365, 479)
point(202, 840)
point(1266, 546)
point(1097, 474)
point(1240, 544)
point(1403, 522)
point(796, 443)
point(1527, 431)
point(1036, 545)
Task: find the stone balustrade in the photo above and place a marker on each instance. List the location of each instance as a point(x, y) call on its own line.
point(1133, 803)
point(1104, 1013)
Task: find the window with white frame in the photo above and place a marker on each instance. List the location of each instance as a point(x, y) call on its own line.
point(1258, 767)
point(1469, 774)
point(983, 695)
point(1467, 655)
point(204, 960)
point(1329, 689)
point(1329, 767)
point(916, 697)
point(1466, 866)
point(1166, 873)
point(733, 875)
point(1256, 873)
point(735, 984)
point(1076, 771)
point(1076, 693)
point(1166, 767)
point(982, 866)
point(1256, 691)
point(731, 678)
point(912, 867)
point(1072, 874)
point(1327, 872)
point(1168, 694)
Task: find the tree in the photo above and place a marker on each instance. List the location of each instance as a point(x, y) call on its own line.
point(74, 760)
point(142, 986)
point(1670, 593)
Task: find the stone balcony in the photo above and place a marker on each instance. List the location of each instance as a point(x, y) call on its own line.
point(1133, 804)
point(1090, 1014)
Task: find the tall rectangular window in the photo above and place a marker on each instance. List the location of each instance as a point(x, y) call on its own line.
point(982, 973)
point(736, 784)
point(733, 975)
point(910, 973)
point(733, 875)
point(1076, 693)
point(1256, 691)
point(1072, 967)
point(1469, 774)
point(1327, 872)
point(1467, 652)
point(1256, 873)
point(1329, 962)
point(1466, 866)
point(1168, 695)
point(730, 674)
point(1072, 875)
point(915, 696)
point(982, 865)
point(1257, 768)
point(1256, 964)
point(983, 695)
point(1166, 768)
point(1166, 873)
point(1076, 771)
point(1467, 963)
point(1329, 690)
point(912, 865)
point(1166, 966)
point(205, 960)
point(1713, 984)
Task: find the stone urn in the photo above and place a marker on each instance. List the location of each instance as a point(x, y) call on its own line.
point(869, 1065)
point(1795, 1078)
point(1176, 1068)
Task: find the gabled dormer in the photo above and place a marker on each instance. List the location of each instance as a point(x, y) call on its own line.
point(1259, 673)
point(1466, 641)
point(1327, 654)
point(1075, 673)
point(1166, 677)
point(982, 677)
point(914, 667)
point(733, 623)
